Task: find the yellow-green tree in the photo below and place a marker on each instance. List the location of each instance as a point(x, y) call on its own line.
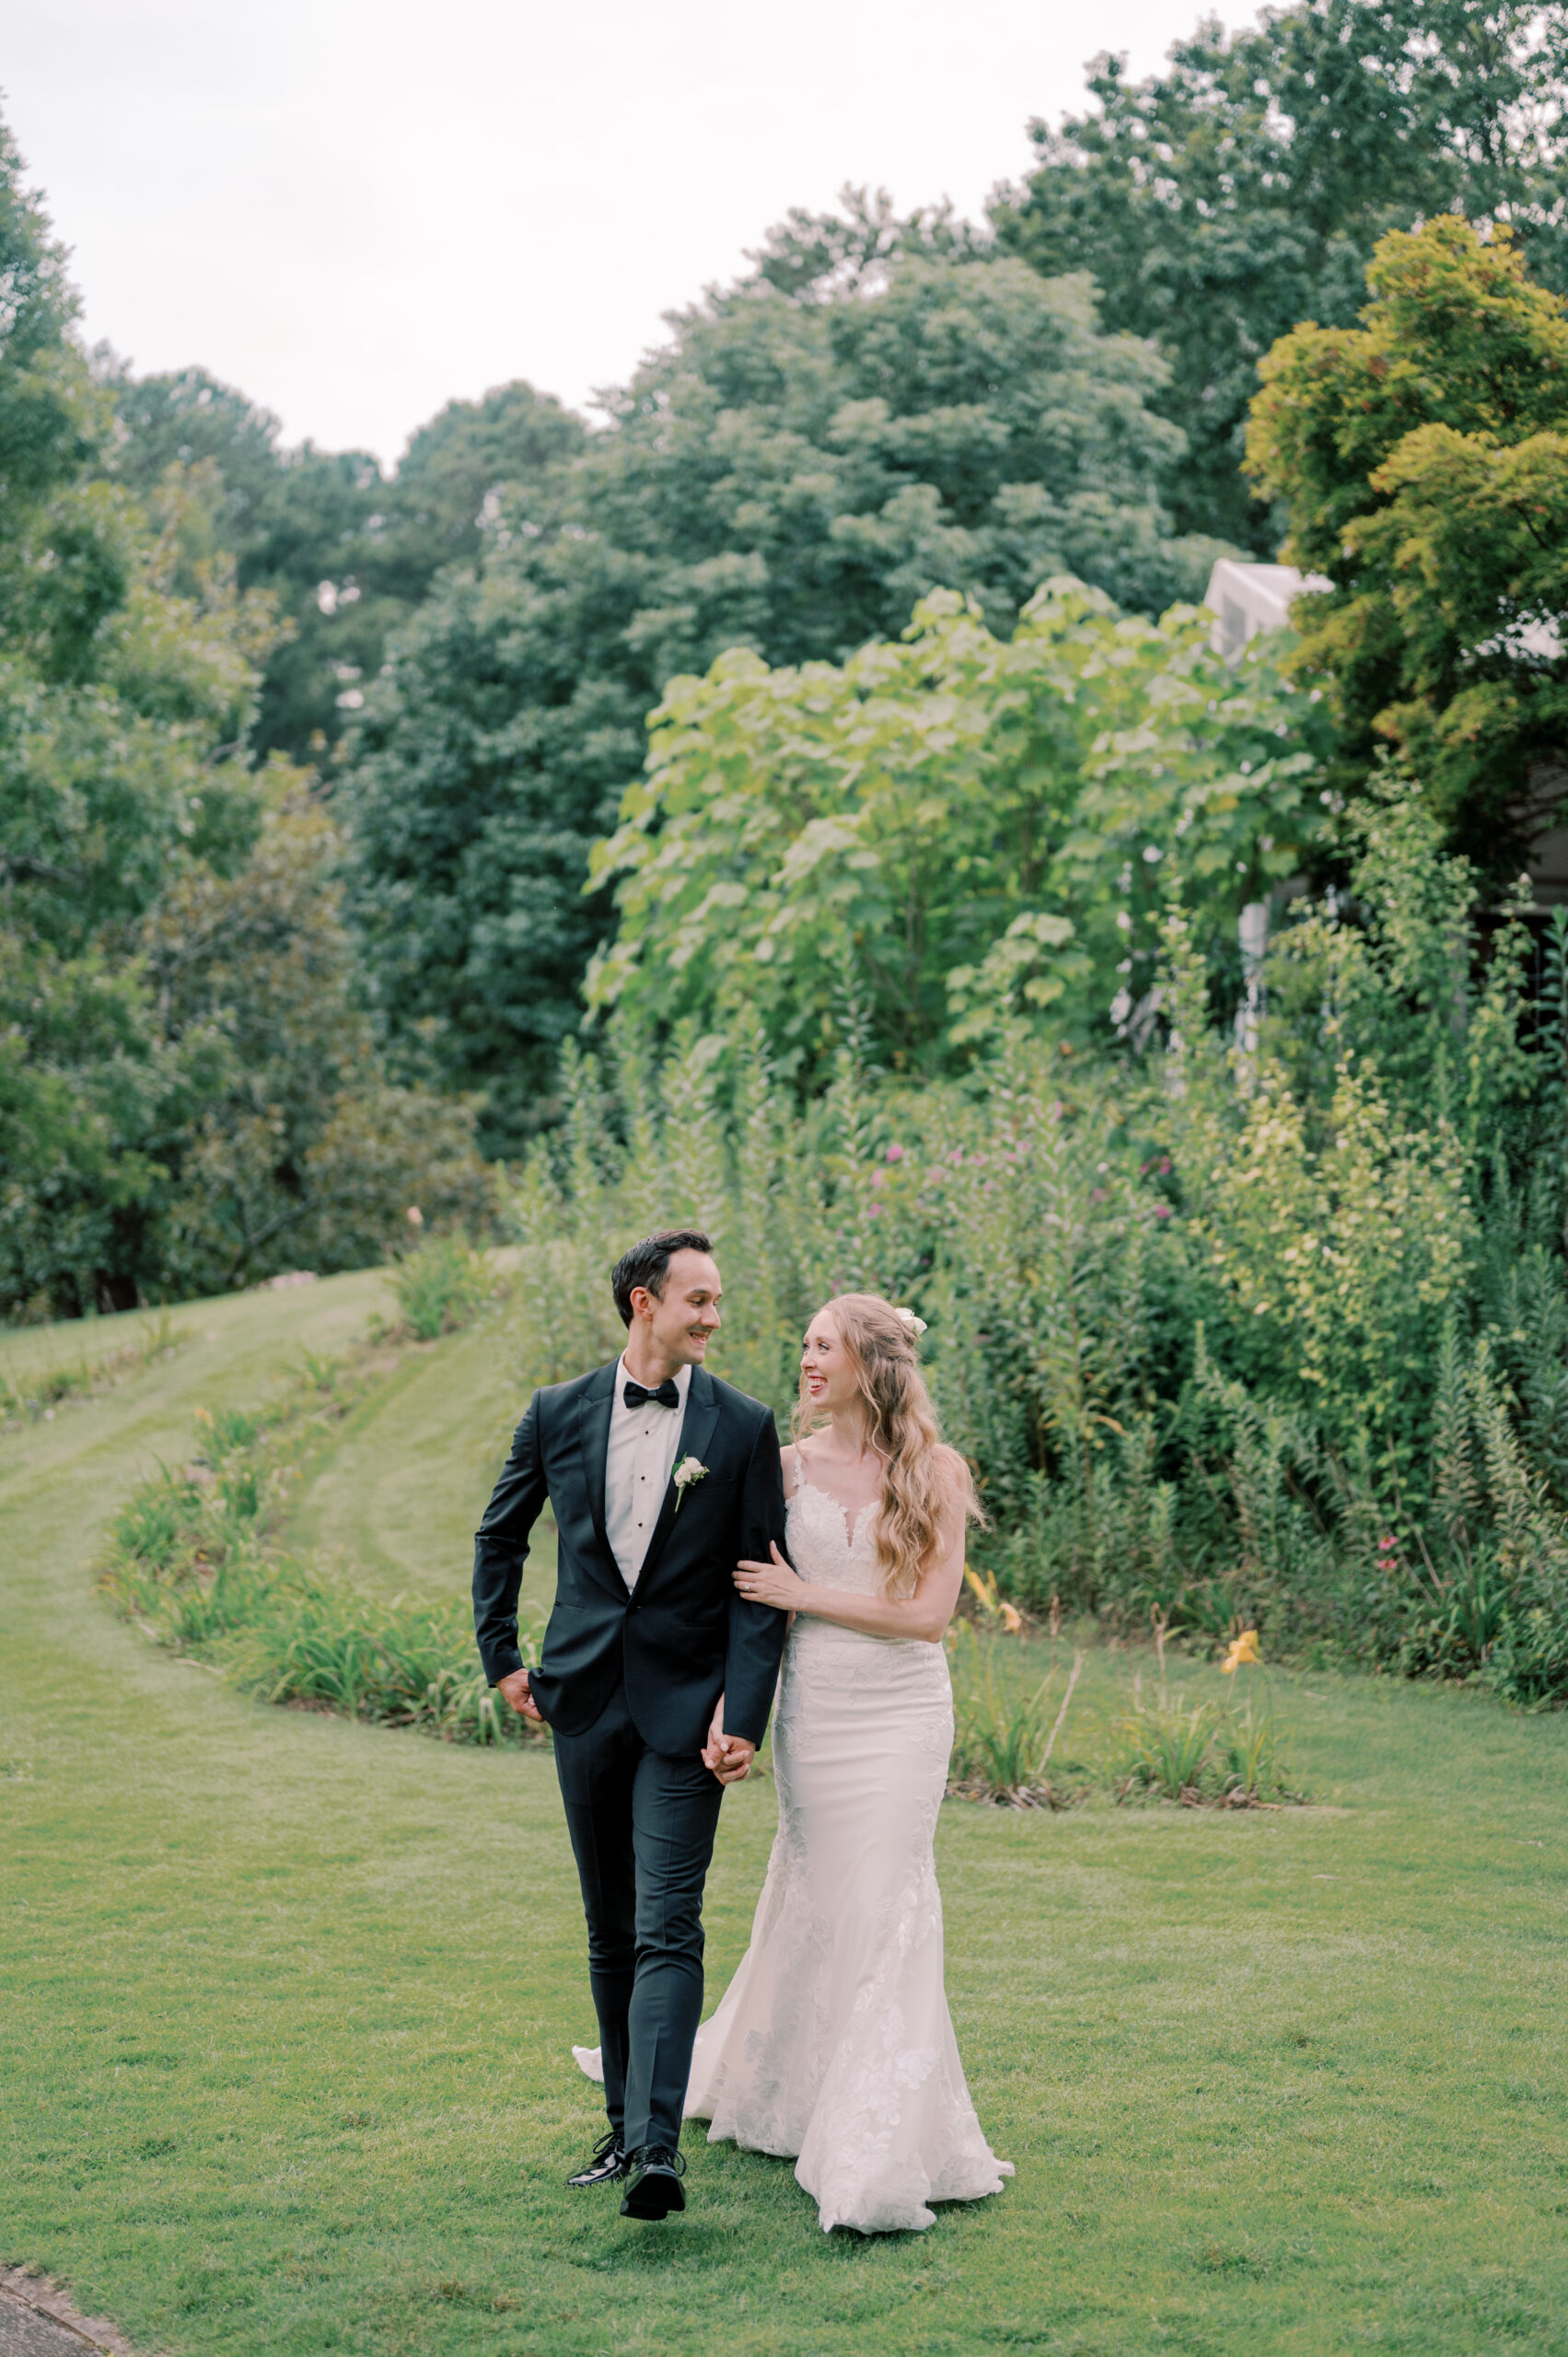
point(1423, 460)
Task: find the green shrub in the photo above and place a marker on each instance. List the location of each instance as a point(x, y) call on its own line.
point(1273, 1337)
point(442, 1285)
point(1197, 1752)
point(1005, 1730)
point(1168, 1746)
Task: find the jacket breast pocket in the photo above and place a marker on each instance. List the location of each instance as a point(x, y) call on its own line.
point(715, 1485)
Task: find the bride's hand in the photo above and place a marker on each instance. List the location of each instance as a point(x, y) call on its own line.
point(773, 1584)
point(729, 1756)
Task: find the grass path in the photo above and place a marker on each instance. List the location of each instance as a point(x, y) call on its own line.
point(288, 2001)
point(396, 1503)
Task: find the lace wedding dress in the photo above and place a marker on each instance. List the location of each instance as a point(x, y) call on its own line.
point(833, 2041)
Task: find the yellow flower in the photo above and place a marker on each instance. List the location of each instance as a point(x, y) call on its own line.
point(985, 1589)
point(995, 1608)
point(1243, 1649)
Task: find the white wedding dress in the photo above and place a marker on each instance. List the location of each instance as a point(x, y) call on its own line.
point(833, 2041)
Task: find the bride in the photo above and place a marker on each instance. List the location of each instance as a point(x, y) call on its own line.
point(833, 2041)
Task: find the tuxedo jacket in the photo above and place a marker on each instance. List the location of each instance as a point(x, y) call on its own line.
point(683, 1635)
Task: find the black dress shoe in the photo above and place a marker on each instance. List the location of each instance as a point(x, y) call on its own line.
point(609, 2164)
point(655, 2190)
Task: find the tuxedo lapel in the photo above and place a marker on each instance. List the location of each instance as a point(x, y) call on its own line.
point(593, 1443)
point(696, 1431)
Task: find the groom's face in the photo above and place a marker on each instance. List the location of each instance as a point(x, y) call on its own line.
point(684, 1319)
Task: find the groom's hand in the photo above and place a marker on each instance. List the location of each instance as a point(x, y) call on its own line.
point(732, 1762)
point(515, 1686)
point(729, 1756)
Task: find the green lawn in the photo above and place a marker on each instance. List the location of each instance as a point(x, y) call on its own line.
point(289, 2001)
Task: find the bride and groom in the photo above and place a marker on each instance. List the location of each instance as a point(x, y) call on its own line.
point(697, 1570)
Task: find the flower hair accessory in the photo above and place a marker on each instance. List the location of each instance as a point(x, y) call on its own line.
point(913, 1327)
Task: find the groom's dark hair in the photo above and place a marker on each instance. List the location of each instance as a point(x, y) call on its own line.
point(647, 1263)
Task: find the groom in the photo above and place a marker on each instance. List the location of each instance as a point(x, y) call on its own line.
point(661, 1477)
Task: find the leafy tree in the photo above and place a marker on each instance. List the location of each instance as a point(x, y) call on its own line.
point(872, 412)
point(1243, 190)
point(132, 1041)
point(301, 1153)
point(1422, 458)
point(346, 555)
point(453, 473)
point(914, 421)
point(950, 823)
point(46, 417)
point(490, 760)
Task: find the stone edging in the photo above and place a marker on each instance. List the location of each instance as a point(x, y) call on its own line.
point(46, 2300)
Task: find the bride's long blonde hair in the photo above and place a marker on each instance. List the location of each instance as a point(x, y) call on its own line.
point(922, 1480)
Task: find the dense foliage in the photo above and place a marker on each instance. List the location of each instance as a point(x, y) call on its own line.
point(1423, 460)
point(188, 1098)
point(346, 555)
point(1267, 1339)
point(1243, 189)
point(794, 469)
point(951, 814)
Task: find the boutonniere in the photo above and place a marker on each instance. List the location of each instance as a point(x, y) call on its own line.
point(690, 1470)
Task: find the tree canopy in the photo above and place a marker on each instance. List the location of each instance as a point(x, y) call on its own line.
point(183, 1076)
point(1422, 459)
point(867, 416)
point(346, 555)
point(1243, 190)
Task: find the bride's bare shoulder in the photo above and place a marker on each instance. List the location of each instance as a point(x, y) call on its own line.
point(793, 1458)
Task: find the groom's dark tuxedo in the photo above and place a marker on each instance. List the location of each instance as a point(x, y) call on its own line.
point(683, 1635)
point(627, 1682)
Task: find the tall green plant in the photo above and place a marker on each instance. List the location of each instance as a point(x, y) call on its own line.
point(1273, 1335)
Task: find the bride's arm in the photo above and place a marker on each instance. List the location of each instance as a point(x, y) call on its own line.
point(925, 1615)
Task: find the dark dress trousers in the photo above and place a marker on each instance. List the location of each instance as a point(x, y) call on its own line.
point(627, 1682)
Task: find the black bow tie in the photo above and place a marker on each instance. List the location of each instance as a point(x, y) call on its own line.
point(663, 1395)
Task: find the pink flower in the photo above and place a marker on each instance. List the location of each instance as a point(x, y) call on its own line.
point(1383, 1543)
point(1166, 1164)
point(1162, 1211)
point(878, 1178)
point(895, 1153)
point(876, 1211)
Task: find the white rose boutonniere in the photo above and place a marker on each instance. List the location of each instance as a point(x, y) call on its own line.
point(690, 1470)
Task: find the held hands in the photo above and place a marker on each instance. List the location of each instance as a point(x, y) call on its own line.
point(515, 1686)
point(729, 1756)
point(772, 1582)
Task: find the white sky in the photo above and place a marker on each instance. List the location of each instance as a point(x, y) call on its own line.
point(356, 212)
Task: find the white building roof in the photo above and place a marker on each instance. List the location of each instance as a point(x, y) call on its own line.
point(1245, 599)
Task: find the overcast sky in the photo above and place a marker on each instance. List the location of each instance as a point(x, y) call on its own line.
point(356, 212)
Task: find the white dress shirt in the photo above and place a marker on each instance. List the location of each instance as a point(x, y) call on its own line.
point(637, 1467)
